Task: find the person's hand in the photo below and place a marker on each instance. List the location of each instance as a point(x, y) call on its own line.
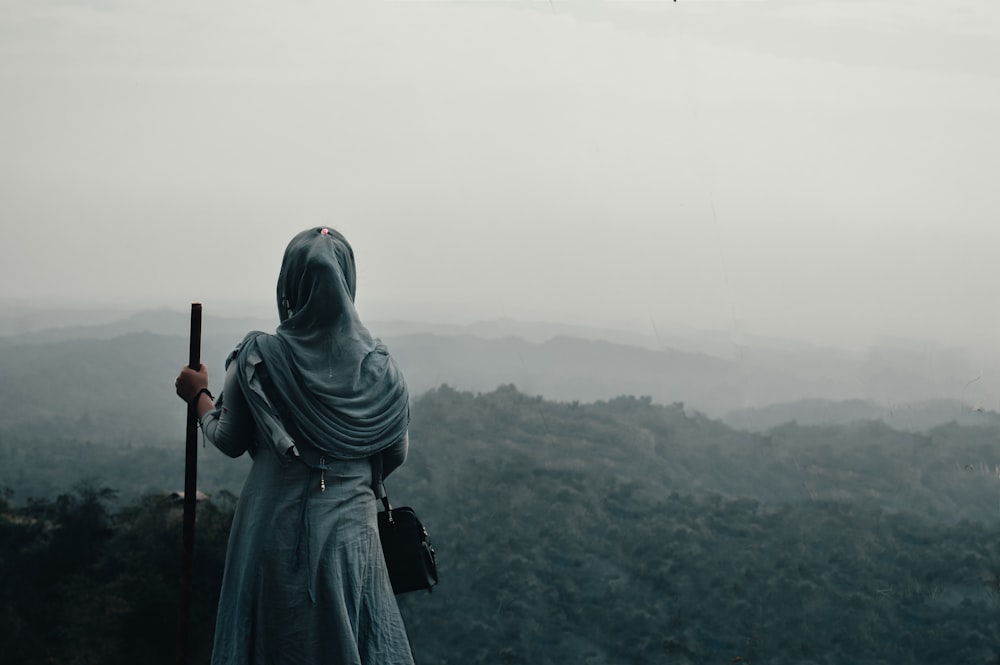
point(190, 382)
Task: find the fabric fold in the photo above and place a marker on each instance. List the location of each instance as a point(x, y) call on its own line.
point(324, 370)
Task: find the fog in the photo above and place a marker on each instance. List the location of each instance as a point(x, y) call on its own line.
point(818, 170)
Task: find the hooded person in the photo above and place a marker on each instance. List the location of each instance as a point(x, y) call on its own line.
point(305, 580)
point(332, 382)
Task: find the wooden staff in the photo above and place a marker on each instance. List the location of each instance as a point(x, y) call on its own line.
point(190, 492)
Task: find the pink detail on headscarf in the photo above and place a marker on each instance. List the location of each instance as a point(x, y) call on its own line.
point(325, 231)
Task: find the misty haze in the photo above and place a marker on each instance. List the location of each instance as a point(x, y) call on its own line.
point(695, 300)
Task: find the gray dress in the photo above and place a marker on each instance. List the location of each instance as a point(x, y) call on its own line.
point(305, 580)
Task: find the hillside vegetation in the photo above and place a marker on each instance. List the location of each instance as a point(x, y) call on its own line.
point(619, 531)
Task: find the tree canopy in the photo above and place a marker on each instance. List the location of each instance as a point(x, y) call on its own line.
point(620, 531)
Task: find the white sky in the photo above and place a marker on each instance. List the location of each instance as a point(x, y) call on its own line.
point(817, 169)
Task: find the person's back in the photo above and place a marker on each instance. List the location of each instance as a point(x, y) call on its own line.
point(305, 580)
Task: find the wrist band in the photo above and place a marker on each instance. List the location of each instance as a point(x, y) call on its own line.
point(194, 400)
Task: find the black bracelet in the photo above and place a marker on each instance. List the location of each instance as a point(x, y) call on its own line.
point(194, 400)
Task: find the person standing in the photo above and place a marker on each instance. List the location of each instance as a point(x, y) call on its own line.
point(305, 581)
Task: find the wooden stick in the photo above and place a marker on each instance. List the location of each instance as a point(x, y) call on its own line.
point(190, 492)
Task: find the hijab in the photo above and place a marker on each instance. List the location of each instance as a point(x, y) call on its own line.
point(322, 376)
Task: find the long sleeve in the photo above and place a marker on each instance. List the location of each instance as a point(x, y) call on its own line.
point(229, 427)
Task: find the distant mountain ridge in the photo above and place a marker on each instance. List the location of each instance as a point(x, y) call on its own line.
point(159, 322)
point(115, 376)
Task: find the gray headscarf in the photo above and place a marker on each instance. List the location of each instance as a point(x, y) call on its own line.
point(322, 377)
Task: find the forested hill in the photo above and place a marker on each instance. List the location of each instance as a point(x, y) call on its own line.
point(579, 528)
point(629, 532)
point(620, 531)
point(946, 474)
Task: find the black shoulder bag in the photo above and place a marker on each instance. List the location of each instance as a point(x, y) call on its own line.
point(409, 556)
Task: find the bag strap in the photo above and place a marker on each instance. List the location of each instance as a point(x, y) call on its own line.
point(378, 483)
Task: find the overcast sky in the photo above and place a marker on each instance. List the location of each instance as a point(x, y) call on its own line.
point(825, 170)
